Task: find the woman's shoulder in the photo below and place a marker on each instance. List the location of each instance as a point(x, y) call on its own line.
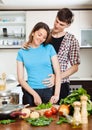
point(50, 48)
point(49, 45)
point(22, 50)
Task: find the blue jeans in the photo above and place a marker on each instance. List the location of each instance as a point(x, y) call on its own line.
point(45, 95)
point(64, 91)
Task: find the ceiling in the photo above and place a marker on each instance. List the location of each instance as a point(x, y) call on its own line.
point(44, 4)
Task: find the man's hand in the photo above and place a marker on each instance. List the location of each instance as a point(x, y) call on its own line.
point(50, 81)
point(25, 46)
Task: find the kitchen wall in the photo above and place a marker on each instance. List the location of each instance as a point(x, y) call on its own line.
point(8, 61)
point(8, 56)
point(85, 68)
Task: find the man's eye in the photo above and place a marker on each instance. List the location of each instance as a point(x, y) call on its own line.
point(39, 34)
point(56, 21)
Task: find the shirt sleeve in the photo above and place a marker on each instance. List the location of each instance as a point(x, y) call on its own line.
point(19, 56)
point(74, 54)
point(52, 51)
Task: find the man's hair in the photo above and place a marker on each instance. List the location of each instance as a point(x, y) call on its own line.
point(65, 15)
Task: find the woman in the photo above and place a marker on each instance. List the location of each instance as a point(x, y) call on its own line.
point(39, 60)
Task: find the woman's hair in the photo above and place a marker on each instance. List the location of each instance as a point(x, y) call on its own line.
point(65, 15)
point(40, 25)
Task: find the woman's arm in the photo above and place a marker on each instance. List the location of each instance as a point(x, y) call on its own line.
point(24, 84)
point(56, 68)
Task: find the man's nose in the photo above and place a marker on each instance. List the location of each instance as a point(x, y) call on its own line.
point(57, 25)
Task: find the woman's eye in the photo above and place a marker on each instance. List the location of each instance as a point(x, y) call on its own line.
point(40, 35)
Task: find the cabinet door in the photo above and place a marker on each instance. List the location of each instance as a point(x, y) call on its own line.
point(86, 28)
point(85, 19)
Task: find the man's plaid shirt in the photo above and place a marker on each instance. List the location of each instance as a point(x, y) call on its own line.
point(68, 53)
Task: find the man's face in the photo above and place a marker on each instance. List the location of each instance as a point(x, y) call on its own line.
point(59, 26)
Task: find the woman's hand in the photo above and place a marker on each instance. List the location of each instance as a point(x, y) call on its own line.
point(37, 99)
point(54, 99)
point(50, 81)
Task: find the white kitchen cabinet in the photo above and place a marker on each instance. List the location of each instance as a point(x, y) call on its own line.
point(12, 29)
point(74, 27)
point(86, 38)
point(82, 27)
point(85, 19)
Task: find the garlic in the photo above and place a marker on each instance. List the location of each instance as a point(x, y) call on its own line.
point(34, 115)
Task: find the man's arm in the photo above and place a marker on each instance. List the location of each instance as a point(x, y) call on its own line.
point(73, 69)
point(51, 80)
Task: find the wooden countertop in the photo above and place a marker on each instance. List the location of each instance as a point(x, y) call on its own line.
point(23, 125)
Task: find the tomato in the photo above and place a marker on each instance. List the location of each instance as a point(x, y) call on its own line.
point(54, 110)
point(48, 113)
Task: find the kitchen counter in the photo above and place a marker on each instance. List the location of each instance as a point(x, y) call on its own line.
point(80, 79)
point(23, 125)
point(86, 83)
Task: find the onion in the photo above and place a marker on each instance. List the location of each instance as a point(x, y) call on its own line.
point(63, 109)
point(26, 111)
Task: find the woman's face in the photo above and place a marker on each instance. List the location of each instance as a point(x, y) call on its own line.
point(39, 37)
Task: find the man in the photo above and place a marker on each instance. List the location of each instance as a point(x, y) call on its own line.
point(67, 48)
